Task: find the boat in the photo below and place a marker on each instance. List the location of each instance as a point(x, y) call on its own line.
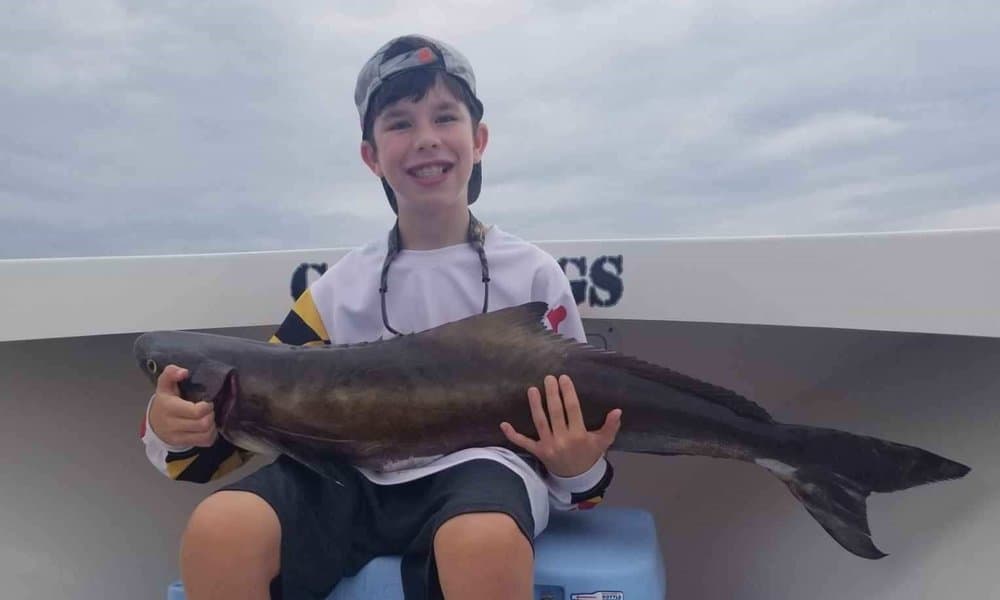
point(895, 335)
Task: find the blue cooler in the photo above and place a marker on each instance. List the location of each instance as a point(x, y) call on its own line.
point(601, 554)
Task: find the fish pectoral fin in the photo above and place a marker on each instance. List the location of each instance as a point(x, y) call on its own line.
point(205, 381)
point(316, 464)
point(295, 446)
point(324, 444)
point(307, 437)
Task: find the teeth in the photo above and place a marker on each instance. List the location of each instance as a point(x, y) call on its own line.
point(430, 171)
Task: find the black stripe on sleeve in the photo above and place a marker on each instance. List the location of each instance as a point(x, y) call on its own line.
point(597, 490)
point(175, 456)
point(295, 331)
point(208, 461)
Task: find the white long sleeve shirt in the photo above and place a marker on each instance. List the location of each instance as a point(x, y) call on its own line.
point(425, 289)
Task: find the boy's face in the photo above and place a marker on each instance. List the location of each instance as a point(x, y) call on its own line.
point(426, 150)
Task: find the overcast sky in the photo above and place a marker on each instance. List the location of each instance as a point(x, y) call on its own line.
point(150, 127)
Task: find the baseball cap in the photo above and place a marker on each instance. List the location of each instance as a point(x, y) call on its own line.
point(435, 55)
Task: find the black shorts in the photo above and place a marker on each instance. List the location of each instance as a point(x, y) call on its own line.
point(330, 531)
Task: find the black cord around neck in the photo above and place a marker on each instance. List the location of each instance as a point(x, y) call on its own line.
point(476, 237)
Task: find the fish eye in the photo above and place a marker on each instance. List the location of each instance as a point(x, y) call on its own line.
point(151, 365)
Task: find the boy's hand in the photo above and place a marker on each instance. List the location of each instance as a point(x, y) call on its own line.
point(565, 446)
point(176, 421)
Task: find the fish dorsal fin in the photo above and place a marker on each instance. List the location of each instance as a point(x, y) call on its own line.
point(713, 393)
point(495, 326)
point(504, 339)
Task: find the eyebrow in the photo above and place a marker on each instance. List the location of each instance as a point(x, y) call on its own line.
point(446, 105)
point(392, 113)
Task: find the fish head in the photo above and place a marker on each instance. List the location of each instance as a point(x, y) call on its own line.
point(206, 357)
point(156, 350)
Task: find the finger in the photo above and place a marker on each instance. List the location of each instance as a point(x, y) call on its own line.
point(557, 418)
point(538, 416)
point(521, 441)
point(179, 407)
point(201, 409)
point(169, 378)
point(612, 424)
point(202, 440)
point(574, 414)
point(203, 425)
point(175, 407)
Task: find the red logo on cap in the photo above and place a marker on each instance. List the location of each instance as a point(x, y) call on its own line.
point(425, 55)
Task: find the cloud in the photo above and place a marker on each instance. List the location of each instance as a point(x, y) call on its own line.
point(825, 131)
point(988, 212)
point(133, 126)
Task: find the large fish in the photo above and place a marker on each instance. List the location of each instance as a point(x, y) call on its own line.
point(450, 387)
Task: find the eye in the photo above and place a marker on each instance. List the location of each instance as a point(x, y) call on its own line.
point(151, 365)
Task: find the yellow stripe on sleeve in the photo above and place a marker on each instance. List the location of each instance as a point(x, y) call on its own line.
point(235, 460)
point(302, 325)
point(306, 309)
point(176, 467)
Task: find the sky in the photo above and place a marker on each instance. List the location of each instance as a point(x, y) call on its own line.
point(133, 127)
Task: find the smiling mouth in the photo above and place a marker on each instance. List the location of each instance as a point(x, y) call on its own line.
point(429, 171)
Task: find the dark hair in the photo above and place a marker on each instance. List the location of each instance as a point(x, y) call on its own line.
point(413, 85)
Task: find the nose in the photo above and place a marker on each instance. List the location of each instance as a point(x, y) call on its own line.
point(427, 137)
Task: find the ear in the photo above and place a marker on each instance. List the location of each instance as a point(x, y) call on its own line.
point(479, 140)
point(370, 157)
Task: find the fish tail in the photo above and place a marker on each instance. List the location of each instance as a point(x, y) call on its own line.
point(837, 471)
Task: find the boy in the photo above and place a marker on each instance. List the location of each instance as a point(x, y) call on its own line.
point(464, 522)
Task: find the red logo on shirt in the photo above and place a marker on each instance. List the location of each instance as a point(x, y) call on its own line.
point(556, 316)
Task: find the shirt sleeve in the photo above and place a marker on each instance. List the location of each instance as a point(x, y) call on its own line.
point(302, 326)
point(583, 491)
point(563, 315)
point(586, 490)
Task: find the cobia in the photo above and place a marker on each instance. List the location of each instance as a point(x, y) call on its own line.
point(450, 387)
